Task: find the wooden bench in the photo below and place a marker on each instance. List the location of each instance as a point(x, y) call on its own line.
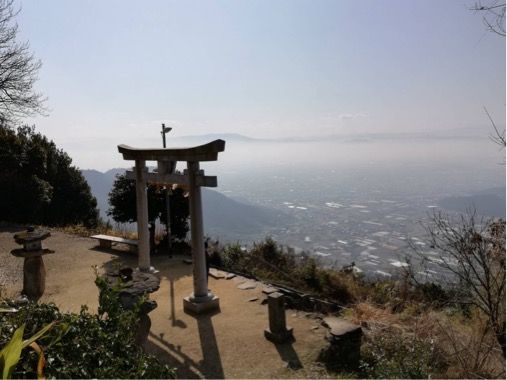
point(106, 241)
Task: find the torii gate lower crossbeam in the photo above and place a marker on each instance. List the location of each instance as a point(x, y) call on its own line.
point(201, 300)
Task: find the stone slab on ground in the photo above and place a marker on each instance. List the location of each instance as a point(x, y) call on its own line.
point(247, 285)
point(216, 274)
point(269, 290)
point(252, 299)
point(229, 276)
point(339, 326)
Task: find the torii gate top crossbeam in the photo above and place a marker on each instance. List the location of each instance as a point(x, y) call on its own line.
point(206, 152)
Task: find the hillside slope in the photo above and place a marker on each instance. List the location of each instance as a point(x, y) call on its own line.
point(224, 217)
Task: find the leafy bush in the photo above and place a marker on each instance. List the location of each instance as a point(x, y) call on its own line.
point(391, 354)
point(230, 257)
point(11, 352)
point(270, 262)
point(38, 183)
point(337, 285)
point(122, 201)
point(83, 345)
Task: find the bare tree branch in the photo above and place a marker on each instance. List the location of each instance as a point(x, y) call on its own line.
point(472, 252)
point(493, 15)
point(18, 71)
point(499, 136)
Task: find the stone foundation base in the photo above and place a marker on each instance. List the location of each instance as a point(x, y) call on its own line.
point(279, 337)
point(193, 306)
point(34, 278)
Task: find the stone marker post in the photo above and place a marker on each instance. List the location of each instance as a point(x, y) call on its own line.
point(277, 331)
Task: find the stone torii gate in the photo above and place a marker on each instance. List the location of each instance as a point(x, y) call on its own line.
point(201, 300)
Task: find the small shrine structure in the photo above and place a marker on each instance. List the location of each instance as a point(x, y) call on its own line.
point(34, 271)
point(193, 178)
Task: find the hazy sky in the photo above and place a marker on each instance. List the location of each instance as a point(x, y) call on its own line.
point(113, 70)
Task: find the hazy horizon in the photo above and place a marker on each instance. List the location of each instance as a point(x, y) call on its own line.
point(333, 199)
point(262, 69)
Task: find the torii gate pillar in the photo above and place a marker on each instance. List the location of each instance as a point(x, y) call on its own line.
point(202, 299)
point(142, 217)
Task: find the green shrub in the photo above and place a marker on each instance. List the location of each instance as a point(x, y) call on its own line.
point(231, 256)
point(269, 251)
point(122, 202)
point(308, 272)
point(336, 285)
point(390, 354)
point(381, 292)
point(83, 345)
point(270, 262)
point(39, 184)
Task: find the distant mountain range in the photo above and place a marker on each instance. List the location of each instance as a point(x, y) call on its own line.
point(456, 133)
point(215, 136)
point(223, 216)
point(101, 184)
point(489, 202)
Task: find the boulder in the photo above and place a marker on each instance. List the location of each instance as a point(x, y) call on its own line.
point(344, 350)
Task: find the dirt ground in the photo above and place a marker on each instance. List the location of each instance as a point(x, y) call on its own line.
point(226, 344)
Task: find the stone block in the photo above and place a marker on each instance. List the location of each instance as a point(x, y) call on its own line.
point(143, 329)
point(191, 306)
point(278, 332)
point(216, 274)
point(339, 326)
point(344, 350)
point(247, 285)
point(279, 336)
point(34, 277)
point(269, 290)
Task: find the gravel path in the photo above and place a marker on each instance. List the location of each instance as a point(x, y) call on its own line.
point(228, 344)
point(11, 268)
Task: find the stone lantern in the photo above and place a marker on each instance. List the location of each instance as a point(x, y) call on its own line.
point(34, 272)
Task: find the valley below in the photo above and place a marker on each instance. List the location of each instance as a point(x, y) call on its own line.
point(355, 208)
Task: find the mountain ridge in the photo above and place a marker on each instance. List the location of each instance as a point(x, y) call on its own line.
point(223, 216)
point(455, 133)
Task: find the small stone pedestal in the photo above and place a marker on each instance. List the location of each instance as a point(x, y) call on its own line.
point(200, 305)
point(344, 350)
point(278, 332)
point(136, 284)
point(34, 271)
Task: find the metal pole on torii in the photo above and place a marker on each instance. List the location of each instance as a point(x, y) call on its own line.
point(164, 131)
point(167, 197)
